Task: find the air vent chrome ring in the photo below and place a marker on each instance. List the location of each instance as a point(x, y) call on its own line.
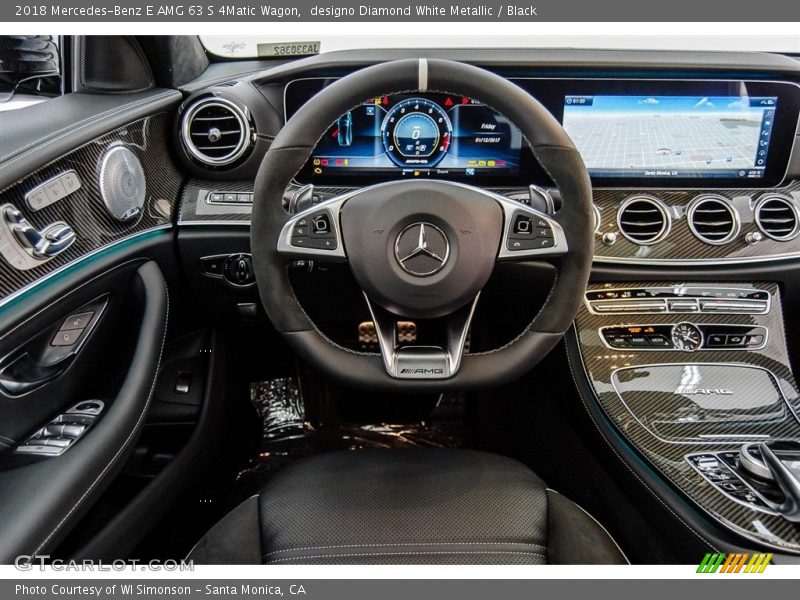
point(214, 135)
point(648, 207)
point(721, 222)
point(783, 224)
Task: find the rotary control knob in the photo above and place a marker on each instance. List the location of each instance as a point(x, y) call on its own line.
point(687, 337)
point(238, 270)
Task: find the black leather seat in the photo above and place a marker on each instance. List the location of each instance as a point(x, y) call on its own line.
point(410, 506)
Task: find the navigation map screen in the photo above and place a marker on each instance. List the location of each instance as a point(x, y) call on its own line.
point(672, 136)
point(420, 135)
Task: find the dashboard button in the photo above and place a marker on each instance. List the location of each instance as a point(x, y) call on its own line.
point(230, 199)
point(716, 340)
point(659, 341)
point(755, 340)
point(735, 341)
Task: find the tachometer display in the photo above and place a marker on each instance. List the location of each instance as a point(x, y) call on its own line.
point(416, 132)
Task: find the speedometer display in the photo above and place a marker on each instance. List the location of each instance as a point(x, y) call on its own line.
point(416, 132)
point(419, 135)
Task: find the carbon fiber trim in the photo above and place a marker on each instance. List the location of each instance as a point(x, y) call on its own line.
point(681, 244)
point(193, 211)
point(667, 449)
point(84, 210)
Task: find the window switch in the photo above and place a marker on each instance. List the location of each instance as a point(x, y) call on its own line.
point(183, 384)
point(59, 442)
point(72, 430)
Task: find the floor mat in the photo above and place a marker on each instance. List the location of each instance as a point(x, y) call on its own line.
point(287, 436)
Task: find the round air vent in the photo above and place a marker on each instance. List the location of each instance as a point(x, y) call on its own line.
point(215, 132)
point(713, 219)
point(643, 220)
point(777, 217)
point(122, 183)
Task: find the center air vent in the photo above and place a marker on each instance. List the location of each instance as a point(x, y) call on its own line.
point(713, 219)
point(215, 132)
point(777, 217)
point(643, 220)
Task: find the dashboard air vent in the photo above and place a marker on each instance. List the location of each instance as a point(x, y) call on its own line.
point(215, 132)
point(643, 220)
point(777, 217)
point(713, 219)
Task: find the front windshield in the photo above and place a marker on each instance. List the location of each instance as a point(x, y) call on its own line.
point(243, 47)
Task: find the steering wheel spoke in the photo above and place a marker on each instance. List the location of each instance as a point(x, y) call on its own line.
point(529, 234)
point(422, 362)
point(316, 232)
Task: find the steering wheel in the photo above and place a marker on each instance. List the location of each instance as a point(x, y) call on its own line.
point(422, 248)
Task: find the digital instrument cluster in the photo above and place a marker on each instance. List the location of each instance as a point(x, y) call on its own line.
point(420, 135)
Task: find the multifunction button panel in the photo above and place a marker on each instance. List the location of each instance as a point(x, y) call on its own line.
point(685, 336)
point(215, 197)
point(317, 231)
point(528, 232)
point(679, 300)
point(720, 470)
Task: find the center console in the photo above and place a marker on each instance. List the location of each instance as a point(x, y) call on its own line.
point(696, 377)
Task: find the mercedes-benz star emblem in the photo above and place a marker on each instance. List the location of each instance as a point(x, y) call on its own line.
point(422, 249)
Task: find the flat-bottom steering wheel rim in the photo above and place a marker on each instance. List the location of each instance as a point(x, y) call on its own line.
point(551, 147)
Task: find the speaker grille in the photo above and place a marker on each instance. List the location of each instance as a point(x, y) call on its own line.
point(122, 183)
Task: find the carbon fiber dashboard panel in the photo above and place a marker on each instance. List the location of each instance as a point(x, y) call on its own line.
point(676, 433)
point(83, 209)
point(680, 244)
point(193, 208)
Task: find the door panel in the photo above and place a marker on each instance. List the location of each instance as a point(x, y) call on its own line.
point(88, 188)
point(40, 497)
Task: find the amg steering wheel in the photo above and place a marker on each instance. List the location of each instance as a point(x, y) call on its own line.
point(422, 248)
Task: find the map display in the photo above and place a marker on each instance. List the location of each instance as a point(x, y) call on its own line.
point(671, 136)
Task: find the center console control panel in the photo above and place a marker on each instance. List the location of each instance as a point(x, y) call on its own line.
point(720, 469)
point(684, 336)
point(678, 300)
